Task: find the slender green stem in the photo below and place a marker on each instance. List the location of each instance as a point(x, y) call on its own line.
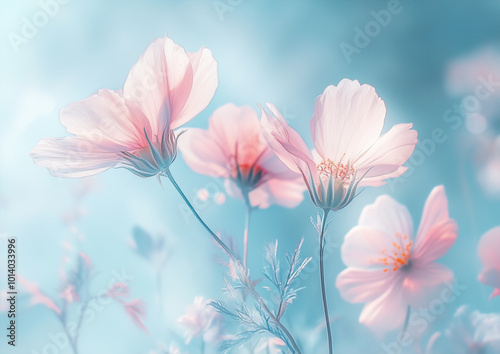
point(195, 213)
point(322, 277)
point(255, 294)
point(407, 319)
point(245, 235)
point(63, 319)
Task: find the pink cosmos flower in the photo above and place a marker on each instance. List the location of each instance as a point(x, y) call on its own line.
point(388, 268)
point(349, 150)
point(488, 253)
point(233, 148)
point(133, 127)
point(202, 320)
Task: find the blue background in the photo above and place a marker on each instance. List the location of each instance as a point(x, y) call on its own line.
point(284, 52)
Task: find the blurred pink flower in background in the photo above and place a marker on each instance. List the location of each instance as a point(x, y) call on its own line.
point(470, 332)
point(489, 254)
point(202, 321)
point(136, 310)
point(478, 75)
point(271, 345)
point(488, 160)
point(349, 150)
point(233, 148)
point(37, 297)
point(133, 127)
point(388, 268)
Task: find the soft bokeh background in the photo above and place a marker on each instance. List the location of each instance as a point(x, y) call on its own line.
point(284, 52)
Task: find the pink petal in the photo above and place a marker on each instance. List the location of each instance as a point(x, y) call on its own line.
point(488, 247)
point(160, 79)
point(286, 143)
point(420, 280)
point(105, 120)
point(72, 157)
point(37, 296)
point(365, 247)
point(163, 79)
point(387, 312)
point(281, 192)
point(356, 285)
point(437, 232)
point(135, 309)
point(490, 276)
point(202, 153)
point(347, 120)
point(237, 132)
point(205, 82)
point(387, 216)
point(495, 293)
point(384, 159)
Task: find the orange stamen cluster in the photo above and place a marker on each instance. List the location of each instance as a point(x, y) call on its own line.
point(399, 255)
point(329, 168)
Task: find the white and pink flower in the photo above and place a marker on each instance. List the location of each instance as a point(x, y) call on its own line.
point(234, 149)
point(390, 269)
point(134, 127)
point(349, 150)
point(202, 321)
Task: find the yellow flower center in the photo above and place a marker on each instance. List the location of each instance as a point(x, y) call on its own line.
point(399, 255)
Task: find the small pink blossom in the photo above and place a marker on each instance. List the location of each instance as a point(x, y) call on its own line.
point(349, 150)
point(488, 249)
point(37, 297)
point(202, 320)
point(136, 310)
point(134, 127)
point(388, 268)
point(118, 290)
point(233, 148)
point(70, 294)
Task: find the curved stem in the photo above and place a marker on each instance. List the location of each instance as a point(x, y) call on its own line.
point(62, 318)
point(407, 319)
point(195, 213)
point(255, 294)
point(322, 277)
point(80, 320)
point(245, 235)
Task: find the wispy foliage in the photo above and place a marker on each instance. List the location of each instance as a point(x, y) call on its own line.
point(284, 291)
point(257, 317)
